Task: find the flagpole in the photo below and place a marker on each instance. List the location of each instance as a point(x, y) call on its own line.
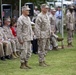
point(19, 7)
point(62, 24)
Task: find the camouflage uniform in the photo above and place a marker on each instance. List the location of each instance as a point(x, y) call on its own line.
point(10, 37)
point(1, 50)
point(53, 29)
point(24, 33)
point(6, 44)
point(42, 31)
point(70, 26)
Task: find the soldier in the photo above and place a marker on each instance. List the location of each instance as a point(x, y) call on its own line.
point(10, 37)
point(53, 28)
point(70, 25)
point(25, 35)
point(54, 37)
point(5, 45)
point(42, 31)
point(1, 47)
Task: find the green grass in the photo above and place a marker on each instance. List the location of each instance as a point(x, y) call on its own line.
point(62, 62)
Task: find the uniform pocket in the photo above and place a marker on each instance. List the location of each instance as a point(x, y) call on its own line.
point(43, 34)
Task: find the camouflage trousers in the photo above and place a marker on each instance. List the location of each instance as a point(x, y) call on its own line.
point(5, 48)
point(17, 44)
point(1, 50)
point(54, 41)
point(25, 52)
point(43, 47)
point(70, 36)
point(13, 45)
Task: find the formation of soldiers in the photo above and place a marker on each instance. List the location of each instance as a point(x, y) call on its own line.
point(44, 30)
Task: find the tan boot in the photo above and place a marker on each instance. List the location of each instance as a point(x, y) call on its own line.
point(26, 64)
point(55, 48)
point(42, 64)
point(13, 56)
point(16, 54)
point(45, 63)
point(70, 45)
point(23, 66)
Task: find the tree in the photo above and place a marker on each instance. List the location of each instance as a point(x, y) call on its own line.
point(16, 2)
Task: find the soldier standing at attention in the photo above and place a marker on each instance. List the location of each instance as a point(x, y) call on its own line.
point(42, 31)
point(70, 26)
point(25, 35)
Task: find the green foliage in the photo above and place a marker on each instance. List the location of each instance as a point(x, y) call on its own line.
point(36, 2)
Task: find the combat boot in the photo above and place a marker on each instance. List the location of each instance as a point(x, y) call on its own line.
point(42, 64)
point(13, 56)
point(8, 57)
point(45, 63)
point(3, 58)
point(59, 39)
point(70, 45)
point(55, 48)
point(23, 66)
point(26, 64)
point(16, 54)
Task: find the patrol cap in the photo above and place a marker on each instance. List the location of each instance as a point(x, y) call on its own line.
point(25, 7)
point(7, 19)
point(44, 6)
point(53, 9)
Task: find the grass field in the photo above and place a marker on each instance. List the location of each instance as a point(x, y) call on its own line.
point(62, 62)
